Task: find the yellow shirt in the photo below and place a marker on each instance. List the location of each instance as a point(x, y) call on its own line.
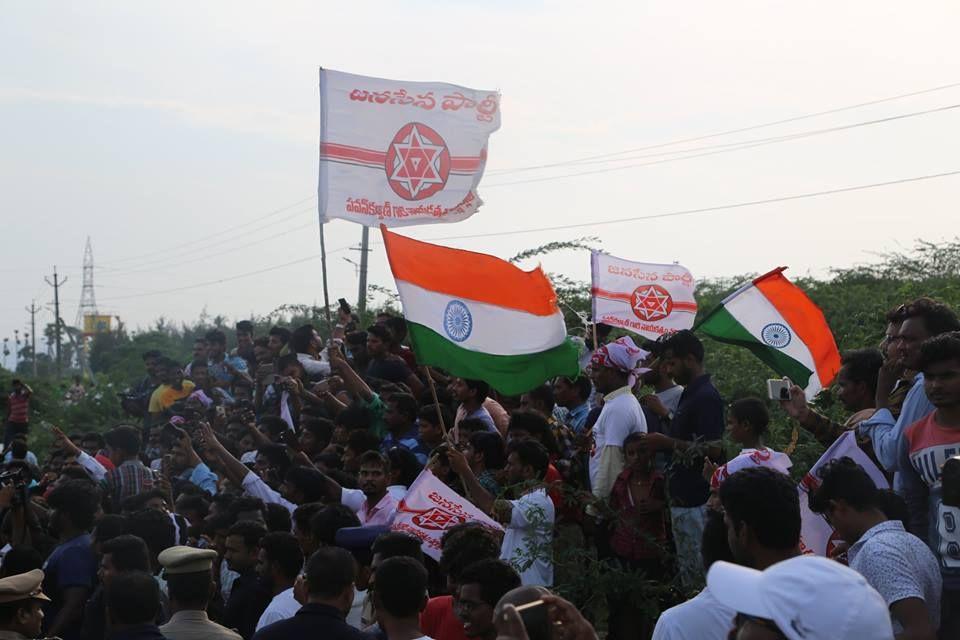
point(165, 395)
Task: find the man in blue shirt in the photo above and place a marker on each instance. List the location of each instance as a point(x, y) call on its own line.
point(698, 421)
point(225, 370)
point(402, 431)
point(71, 569)
point(574, 395)
point(922, 319)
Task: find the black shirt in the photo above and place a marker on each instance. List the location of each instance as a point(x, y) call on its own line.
point(248, 599)
point(699, 417)
point(313, 622)
point(138, 632)
point(391, 369)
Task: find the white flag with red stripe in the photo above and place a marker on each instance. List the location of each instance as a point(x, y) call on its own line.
point(401, 153)
point(647, 299)
point(816, 535)
point(430, 508)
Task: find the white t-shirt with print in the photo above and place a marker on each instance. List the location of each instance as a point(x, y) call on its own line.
point(529, 537)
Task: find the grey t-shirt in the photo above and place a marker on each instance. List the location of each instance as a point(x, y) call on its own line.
point(898, 565)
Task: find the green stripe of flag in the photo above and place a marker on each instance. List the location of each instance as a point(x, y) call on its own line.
point(721, 325)
point(511, 375)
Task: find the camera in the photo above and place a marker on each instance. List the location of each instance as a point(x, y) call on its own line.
point(17, 478)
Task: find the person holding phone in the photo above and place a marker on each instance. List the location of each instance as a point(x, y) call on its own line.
point(18, 411)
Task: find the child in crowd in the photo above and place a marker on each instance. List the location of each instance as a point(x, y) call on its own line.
point(639, 499)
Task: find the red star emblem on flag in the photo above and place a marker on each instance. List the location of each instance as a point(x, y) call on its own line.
point(436, 519)
point(417, 162)
point(651, 302)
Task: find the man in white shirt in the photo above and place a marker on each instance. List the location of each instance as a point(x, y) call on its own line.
point(702, 617)
point(528, 539)
point(615, 368)
point(278, 563)
point(308, 346)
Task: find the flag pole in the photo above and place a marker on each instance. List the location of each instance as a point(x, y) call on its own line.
point(322, 208)
point(326, 295)
point(436, 400)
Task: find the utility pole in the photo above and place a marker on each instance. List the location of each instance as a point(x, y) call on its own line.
point(32, 310)
point(364, 250)
point(56, 284)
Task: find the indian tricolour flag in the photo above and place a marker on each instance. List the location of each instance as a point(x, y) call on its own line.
point(480, 317)
point(778, 322)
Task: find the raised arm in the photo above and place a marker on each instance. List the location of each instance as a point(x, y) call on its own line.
point(351, 379)
point(235, 470)
point(92, 466)
point(475, 491)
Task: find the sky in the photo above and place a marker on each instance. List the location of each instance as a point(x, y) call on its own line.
point(181, 138)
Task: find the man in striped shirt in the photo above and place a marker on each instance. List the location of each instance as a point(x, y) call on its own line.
point(130, 476)
point(18, 416)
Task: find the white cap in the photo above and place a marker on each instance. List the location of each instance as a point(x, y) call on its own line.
point(808, 597)
point(752, 458)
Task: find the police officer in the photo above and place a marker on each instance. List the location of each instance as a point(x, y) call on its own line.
point(21, 602)
point(190, 584)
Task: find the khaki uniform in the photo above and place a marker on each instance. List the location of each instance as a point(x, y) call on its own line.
point(23, 586)
point(195, 625)
point(192, 624)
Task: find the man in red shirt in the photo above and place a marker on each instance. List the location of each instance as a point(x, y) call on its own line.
point(461, 546)
point(18, 412)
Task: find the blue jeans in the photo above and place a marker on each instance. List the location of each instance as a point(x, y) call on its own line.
point(688, 525)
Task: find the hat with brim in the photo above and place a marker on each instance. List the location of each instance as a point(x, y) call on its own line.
point(23, 586)
point(740, 588)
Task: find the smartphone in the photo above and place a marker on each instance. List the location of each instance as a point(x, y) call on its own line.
point(271, 379)
point(778, 389)
point(289, 438)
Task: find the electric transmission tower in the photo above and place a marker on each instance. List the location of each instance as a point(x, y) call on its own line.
point(88, 307)
point(88, 302)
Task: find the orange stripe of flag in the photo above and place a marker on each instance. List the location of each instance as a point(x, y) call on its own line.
point(806, 319)
point(469, 275)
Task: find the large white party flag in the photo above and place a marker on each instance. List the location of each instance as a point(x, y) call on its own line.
point(647, 299)
point(430, 508)
point(400, 153)
point(816, 535)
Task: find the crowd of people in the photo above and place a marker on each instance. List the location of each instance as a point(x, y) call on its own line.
point(251, 495)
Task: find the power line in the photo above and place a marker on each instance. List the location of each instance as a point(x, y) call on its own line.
point(601, 158)
point(781, 138)
point(687, 212)
point(226, 279)
point(162, 265)
point(668, 214)
point(737, 146)
point(729, 131)
point(258, 220)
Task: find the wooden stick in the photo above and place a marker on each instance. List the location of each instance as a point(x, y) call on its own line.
point(528, 605)
point(436, 401)
point(326, 296)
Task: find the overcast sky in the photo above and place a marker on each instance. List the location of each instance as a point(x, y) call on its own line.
point(166, 131)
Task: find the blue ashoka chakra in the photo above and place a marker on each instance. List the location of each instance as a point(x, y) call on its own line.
point(776, 335)
point(457, 321)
